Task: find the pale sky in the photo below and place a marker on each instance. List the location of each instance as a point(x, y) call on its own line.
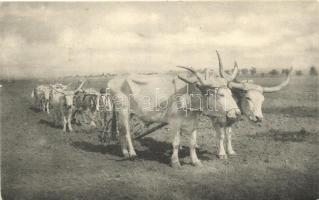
point(54, 39)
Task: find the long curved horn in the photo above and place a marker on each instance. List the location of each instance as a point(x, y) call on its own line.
point(80, 86)
point(235, 72)
point(194, 72)
point(236, 85)
point(280, 86)
point(223, 74)
point(185, 80)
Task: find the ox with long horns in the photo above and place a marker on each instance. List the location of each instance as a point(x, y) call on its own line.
point(41, 95)
point(62, 102)
point(249, 97)
point(175, 99)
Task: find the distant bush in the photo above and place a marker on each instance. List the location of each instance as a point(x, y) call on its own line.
point(313, 71)
point(244, 71)
point(285, 71)
point(299, 73)
point(253, 71)
point(274, 72)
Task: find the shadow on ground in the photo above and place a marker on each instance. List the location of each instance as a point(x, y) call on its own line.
point(147, 149)
point(48, 123)
point(34, 109)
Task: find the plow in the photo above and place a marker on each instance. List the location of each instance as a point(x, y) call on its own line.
point(139, 129)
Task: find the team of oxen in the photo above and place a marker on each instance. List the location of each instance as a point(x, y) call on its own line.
point(175, 100)
point(79, 105)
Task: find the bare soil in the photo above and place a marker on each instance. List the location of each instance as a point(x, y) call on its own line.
point(279, 160)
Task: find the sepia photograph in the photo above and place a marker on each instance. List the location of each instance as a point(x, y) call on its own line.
point(180, 100)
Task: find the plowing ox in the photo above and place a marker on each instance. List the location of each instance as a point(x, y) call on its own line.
point(173, 100)
point(41, 95)
point(62, 102)
point(249, 98)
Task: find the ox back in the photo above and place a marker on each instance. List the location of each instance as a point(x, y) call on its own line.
point(156, 98)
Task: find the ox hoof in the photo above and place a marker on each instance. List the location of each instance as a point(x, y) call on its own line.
point(176, 164)
point(197, 164)
point(232, 153)
point(222, 157)
point(125, 154)
point(133, 156)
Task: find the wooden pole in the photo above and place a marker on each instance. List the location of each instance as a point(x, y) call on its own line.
point(151, 130)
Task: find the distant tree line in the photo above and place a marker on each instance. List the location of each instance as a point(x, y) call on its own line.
point(274, 72)
point(313, 71)
point(244, 71)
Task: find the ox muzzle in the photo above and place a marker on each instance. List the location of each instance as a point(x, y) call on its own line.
point(233, 115)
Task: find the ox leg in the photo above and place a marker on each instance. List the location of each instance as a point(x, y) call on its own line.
point(131, 150)
point(55, 118)
point(69, 122)
point(64, 123)
point(43, 105)
point(122, 139)
point(221, 136)
point(123, 145)
point(48, 107)
point(174, 159)
point(230, 149)
point(175, 130)
point(125, 136)
point(192, 148)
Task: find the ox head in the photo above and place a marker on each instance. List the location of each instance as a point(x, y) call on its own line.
point(250, 96)
point(68, 96)
point(59, 86)
point(216, 94)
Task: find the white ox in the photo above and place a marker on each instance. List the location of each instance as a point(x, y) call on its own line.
point(41, 95)
point(176, 101)
point(249, 97)
point(62, 102)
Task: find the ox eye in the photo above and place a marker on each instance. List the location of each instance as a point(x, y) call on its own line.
point(221, 95)
point(248, 98)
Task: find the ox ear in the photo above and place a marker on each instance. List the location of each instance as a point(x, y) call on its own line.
point(281, 85)
point(240, 86)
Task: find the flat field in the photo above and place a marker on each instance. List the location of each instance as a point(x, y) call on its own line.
point(279, 160)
